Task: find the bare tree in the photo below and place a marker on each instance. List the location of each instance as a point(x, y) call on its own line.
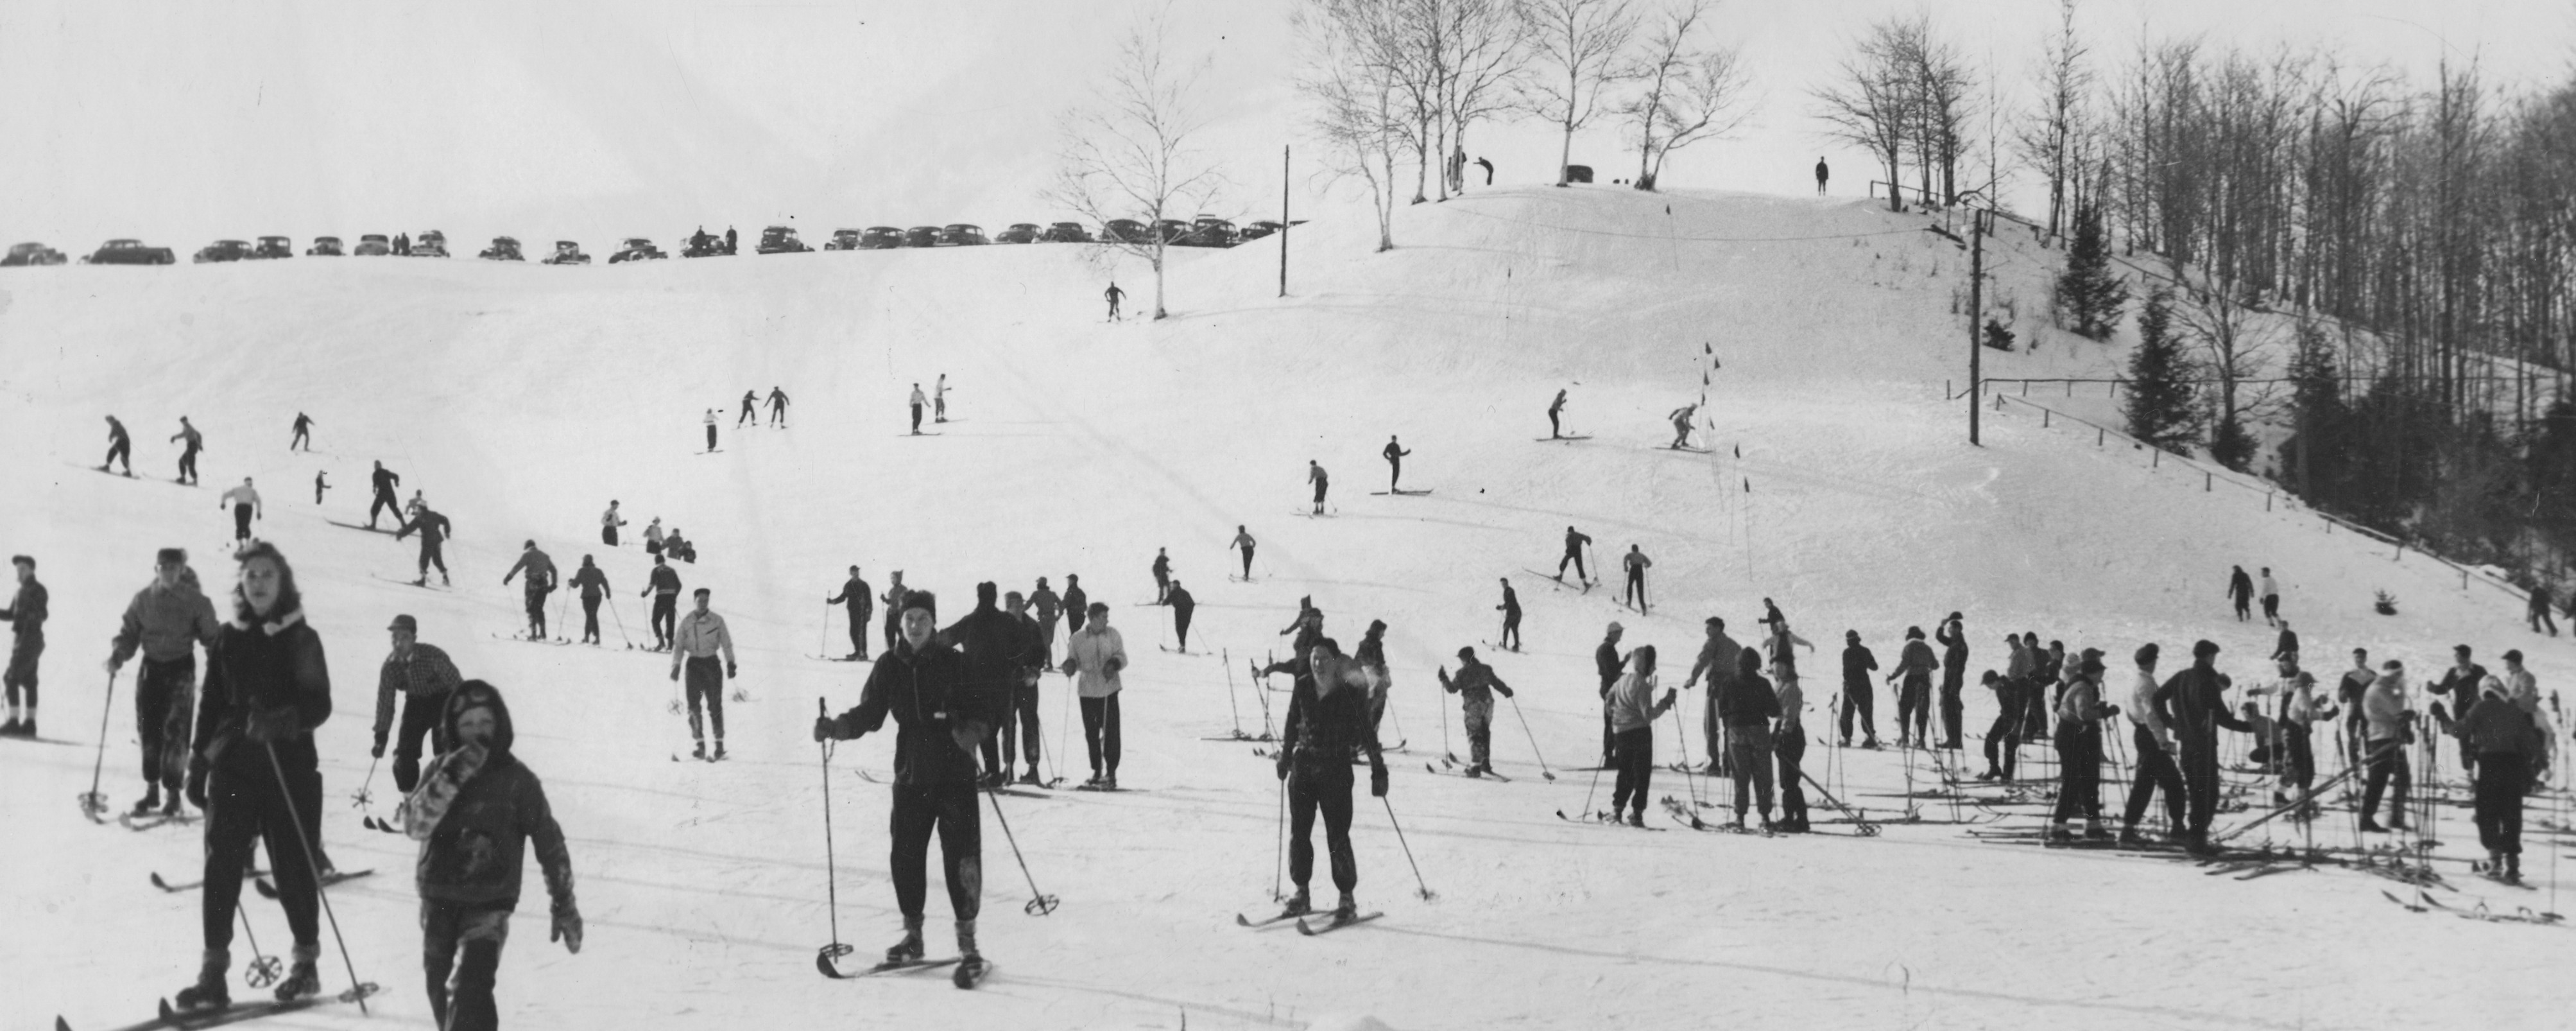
point(2235, 340)
point(1688, 90)
point(1486, 63)
point(1130, 150)
point(1577, 46)
point(2046, 139)
point(1942, 86)
point(1360, 102)
point(1872, 102)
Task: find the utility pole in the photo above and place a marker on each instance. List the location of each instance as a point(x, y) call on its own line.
point(1976, 318)
point(1283, 220)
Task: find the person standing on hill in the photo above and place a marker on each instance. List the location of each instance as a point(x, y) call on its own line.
point(1113, 294)
point(166, 621)
point(1609, 666)
point(1488, 166)
point(1182, 605)
point(750, 409)
point(2080, 712)
point(1821, 173)
point(664, 588)
point(1475, 685)
point(609, 521)
point(1681, 420)
point(1789, 744)
point(694, 648)
point(321, 482)
point(192, 442)
point(2538, 613)
point(1913, 679)
point(1162, 570)
point(777, 407)
point(1315, 475)
point(711, 430)
point(990, 641)
point(2240, 592)
point(939, 399)
point(1394, 455)
point(2194, 703)
point(1632, 709)
point(2153, 742)
point(855, 595)
point(1511, 610)
point(1716, 662)
point(2349, 692)
point(1636, 561)
point(422, 675)
point(1746, 708)
point(434, 529)
point(2003, 737)
point(383, 481)
point(2286, 647)
point(730, 240)
point(244, 501)
point(1371, 655)
point(2270, 591)
point(1244, 543)
point(918, 401)
point(1327, 723)
point(653, 537)
point(1574, 545)
point(26, 615)
point(541, 582)
point(1556, 409)
point(1049, 608)
point(303, 433)
point(894, 608)
point(1858, 664)
point(1953, 635)
point(120, 447)
point(1077, 606)
point(1096, 656)
point(594, 586)
point(2390, 727)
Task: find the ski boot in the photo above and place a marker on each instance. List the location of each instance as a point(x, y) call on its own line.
point(2512, 868)
point(1636, 818)
point(1870, 743)
point(1031, 778)
point(2130, 838)
point(720, 752)
point(2058, 834)
point(970, 963)
point(150, 801)
point(209, 992)
point(302, 981)
point(1476, 772)
point(2093, 831)
point(1347, 910)
point(909, 949)
point(699, 752)
point(1109, 783)
point(170, 806)
point(1299, 904)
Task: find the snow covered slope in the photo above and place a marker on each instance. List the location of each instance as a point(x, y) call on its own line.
point(521, 399)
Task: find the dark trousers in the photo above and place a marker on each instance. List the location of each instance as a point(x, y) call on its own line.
point(2301, 765)
point(383, 503)
point(1046, 641)
point(241, 522)
point(590, 617)
point(2003, 742)
point(302, 439)
point(666, 618)
point(952, 811)
point(1511, 632)
point(1325, 785)
point(1637, 589)
point(1857, 699)
point(1394, 472)
point(245, 806)
point(1020, 726)
point(916, 418)
point(536, 599)
point(2503, 777)
point(2155, 771)
point(420, 719)
point(1748, 749)
point(122, 450)
point(1553, 429)
point(25, 650)
point(2199, 778)
point(2540, 618)
point(2387, 760)
point(2079, 772)
point(188, 467)
point(1635, 759)
point(893, 627)
point(1953, 708)
point(430, 556)
point(1247, 564)
point(608, 534)
point(2244, 606)
point(460, 956)
point(1100, 733)
point(1790, 750)
point(858, 632)
point(165, 699)
point(1575, 557)
point(1319, 503)
point(704, 676)
point(1181, 627)
point(1914, 707)
point(711, 436)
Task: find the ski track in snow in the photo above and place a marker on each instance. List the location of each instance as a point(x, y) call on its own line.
point(703, 883)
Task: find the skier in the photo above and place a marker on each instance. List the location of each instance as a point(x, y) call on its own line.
point(1953, 635)
point(2240, 592)
point(303, 433)
point(2349, 692)
point(1789, 739)
point(255, 772)
point(664, 588)
point(476, 813)
point(1914, 695)
point(1574, 545)
point(1050, 608)
point(2391, 727)
point(1609, 665)
point(1371, 655)
point(2461, 682)
point(2539, 612)
point(594, 586)
point(434, 530)
point(1746, 708)
point(2502, 730)
point(541, 582)
point(1858, 664)
point(750, 409)
point(2286, 647)
point(777, 407)
point(2004, 735)
point(1681, 420)
point(1113, 294)
point(1488, 166)
point(1636, 561)
point(990, 642)
point(1632, 709)
point(119, 447)
point(321, 482)
point(1555, 410)
point(1077, 606)
point(1309, 628)
point(854, 594)
point(1020, 711)
point(2194, 703)
point(1821, 173)
point(2291, 739)
point(244, 501)
point(1475, 685)
point(701, 637)
point(1510, 640)
point(194, 443)
point(384, 481)
point(678, 547)
point(2270, 592)
point(917, 402)
point(711, 430)
point(1096, 656)
point(938, 725)
point(1162, 570)
point(1717, 660)
point(1182, 605)
point(2154, 745)
point(894, 608)
point(939, 399)
point(609, 521)
point(2079, 750)
point(1315, 475)
point(423, 675)
point(2037, 699)
point(166, 620)
point(1327, 722)
point(1394, 455)
point(1243, 542)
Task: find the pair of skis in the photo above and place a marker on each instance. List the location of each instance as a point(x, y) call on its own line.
point(173, 1018)
point(967, 974)
point(1310, 928)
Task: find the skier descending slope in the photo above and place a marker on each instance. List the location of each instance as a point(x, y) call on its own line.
point(541, 582)
point(664, 587)
point(1632, 710)
point(1327, 723)
point(1555, 412)
point(777, 407)
point(194, 442)
point(1475, 685)
point(594, 586)
point(303, 435)
point(166, 621)
point(423, 675)
point(1681, 419)
point(1574, 545)
point(1315, 475)
point(750, 410)
point(434, 530)
point(256, 772)
point(477, 811)
point(120, 447)
point(939, 724)
point(1182, 605)
point(1243, 542)
point(1636, 561)
point(2240, 593)
point(384, 481)
point(1511, 609)
point(244, 501)
point(701, 637)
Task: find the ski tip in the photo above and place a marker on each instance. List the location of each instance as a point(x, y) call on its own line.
point(61, 1025)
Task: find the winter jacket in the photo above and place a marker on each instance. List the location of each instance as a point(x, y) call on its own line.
point(474, 832)
point(1574, 542)
point(857, 595)
point(1793, 704)
point(1325, 727)
point(1607, 662)
point(592, 581)
point(2022, 664)
point(1718, 658)
point(2240, 586)
point(2142, 709)
point(1633, 704)
point(1162, 568)
point(540, 569)
point(664, 581)
point(1858, 664)
point(432, 527)
point(2384, 708)
point(2082, 706)
point(27, 611)
point(166, 623)
point(2462, 687)
point(2496, 726)
point(2193, 703)
point(991, 643)
point(1033, 647)
point(1475, 683)
point(1954, 646)
point(1076, 602)
point(1181, 602)
point(1747, 701)
point(1636, 563)
point(260, 669)
point(241, 495)
point(428, 672)
point(701, 636)
point(1097, 654)
point(1917, 664)
point(385, 480)
point(1511, 606)
point(925, 691)
point(1048, 606)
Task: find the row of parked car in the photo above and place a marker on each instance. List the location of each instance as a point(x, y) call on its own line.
point(1205, 231)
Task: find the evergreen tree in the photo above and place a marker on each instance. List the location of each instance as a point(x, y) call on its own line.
point(2229, 443)
point(2160, 407)
point(2317, 458)
point(2088, 293)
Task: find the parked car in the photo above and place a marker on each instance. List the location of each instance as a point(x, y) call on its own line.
point(637, 248)
point(373, 245)
point(879, 238)
point(1125, 230)
point(1171, 229)
point(31, 254)
point(703, 244)
point(503, 248)
point(963, 235)
point(222, 250)
point(567, 253)
point(432, 244)
point(272, 247)
point(781, 240)
point(1210, 231)
point(324, 247)
point(1067, 232)
point(1019, 232)
point(842, 240)
point(921, 236)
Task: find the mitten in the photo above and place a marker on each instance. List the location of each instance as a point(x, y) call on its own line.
point(567, 929)
point(196, 788)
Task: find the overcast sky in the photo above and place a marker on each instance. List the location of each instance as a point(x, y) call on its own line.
point(181, 123)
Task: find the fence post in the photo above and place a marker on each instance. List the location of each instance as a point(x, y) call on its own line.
point(2097, 436)
point(2205, 479)
point(2158, 460)
point(2044, 415)
point(2267, 501)
point(2025, 388)
point(2070, 388)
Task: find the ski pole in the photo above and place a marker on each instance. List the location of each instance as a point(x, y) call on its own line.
point(1280, 856)
point(1043, 903)
point(1533, 738)
point(1681, 733)
point(1446, 751)
point(262, 970)
point(364, 797)
point(824, 956)
point(621, 622)
point(313, 869)
point(1227, 660)
point(94, 802)
point(823, 640)
point(1408, 849)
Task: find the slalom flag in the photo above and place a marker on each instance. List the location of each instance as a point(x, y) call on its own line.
point(1703, 379)
point(1739, 452)
point(1705, 349)
point(1748, 486)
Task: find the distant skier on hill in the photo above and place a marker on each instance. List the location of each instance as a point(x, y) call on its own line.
point(1636, 562)
point(244, 501)
point(1394, 455)
point(541, 582)
point(1162, 570)
point(321, 482)
point(663, 586)
point(1243, 542)
point(1913, 677)
point(1555, 409)
point(303, 433)
point(434, 530)
point(917, 402)
point(609, 521)
point(194, 443)
point(384, 481)
point(1113, 294)
point(777, 406)
point(120, 447)
point(2240, 591)
point(854, 594)
point(1315, 475)
point(893, 598)
point(1821, 174)
point(594, 585)
point(1049, 609)
point(939, 399)
point(1953, 635)
point(1475, 685)
point(730, 240)
point(1488, 166)
point(1077, 605)
point(1858, 664)
point(711, 429)
point(1574, 545)
point(1681, 419)
point(1510, 639)
point(2270, 592)
point(1182, 606)
point(750, 409)
point(2538, 613)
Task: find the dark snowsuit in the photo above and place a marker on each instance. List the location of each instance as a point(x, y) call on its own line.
point(926, 692)
point(1858, 664)
point(2195, 706)
point(856, 595)
point(468, 874)
point(1316, 749)
point(1954, 667)
point(263, 792)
